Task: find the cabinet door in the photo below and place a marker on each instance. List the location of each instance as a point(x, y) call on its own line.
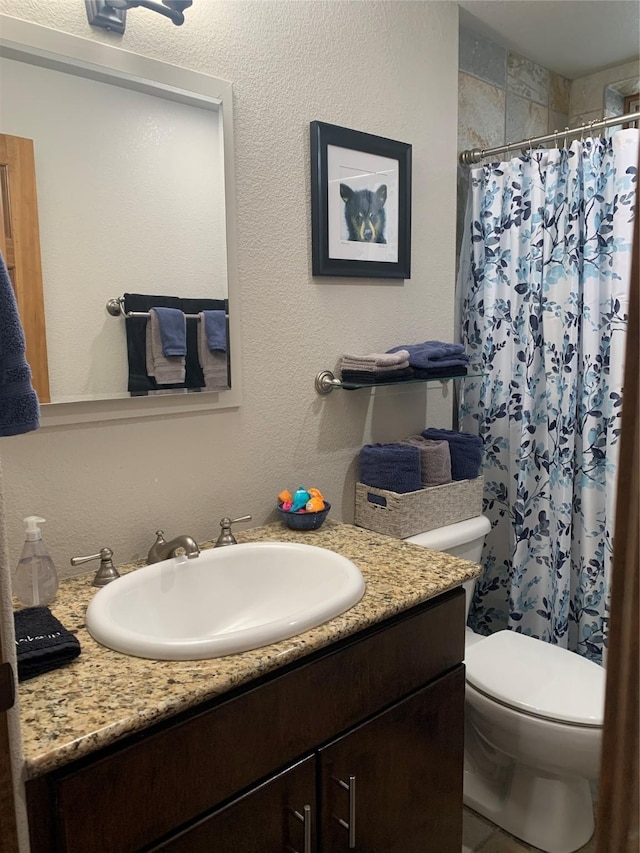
point(395, 783)
point(275, 817)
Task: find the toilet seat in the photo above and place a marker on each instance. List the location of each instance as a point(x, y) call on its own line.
point(537, 679)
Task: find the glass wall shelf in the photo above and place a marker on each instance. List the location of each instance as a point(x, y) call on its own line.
point(325, 381)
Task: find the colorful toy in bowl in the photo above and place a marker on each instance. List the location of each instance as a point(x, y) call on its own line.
point(306, 509)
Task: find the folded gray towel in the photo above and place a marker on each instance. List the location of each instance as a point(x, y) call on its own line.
point(376, 359)
point(19, 409)
point(166, 369)
point(213, 363)
point(394, 467)
point(435, 460)
point(370, 367)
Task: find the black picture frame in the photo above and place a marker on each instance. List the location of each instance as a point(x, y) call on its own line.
point(356, 174)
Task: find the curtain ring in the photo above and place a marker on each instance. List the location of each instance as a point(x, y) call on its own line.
point(555, 138)
point(530, 148)
point(566, 137)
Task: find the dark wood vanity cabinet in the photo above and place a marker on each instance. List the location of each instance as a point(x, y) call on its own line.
point(356, 747)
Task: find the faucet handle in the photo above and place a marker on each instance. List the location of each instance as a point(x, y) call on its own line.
point(226, 536)
point(107, 571)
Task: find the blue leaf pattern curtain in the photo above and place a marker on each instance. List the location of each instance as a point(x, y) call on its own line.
point(543, 284)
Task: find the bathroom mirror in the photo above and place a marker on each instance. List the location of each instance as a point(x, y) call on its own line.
point(134, 176)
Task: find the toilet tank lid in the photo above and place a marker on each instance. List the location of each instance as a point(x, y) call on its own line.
point(537, 678)
point(453, 535)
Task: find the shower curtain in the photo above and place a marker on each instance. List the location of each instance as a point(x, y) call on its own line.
point(543, 289)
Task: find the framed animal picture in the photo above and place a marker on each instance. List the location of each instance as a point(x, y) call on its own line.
point(360, 204)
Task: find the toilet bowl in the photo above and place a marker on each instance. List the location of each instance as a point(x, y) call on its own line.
point(533, 722)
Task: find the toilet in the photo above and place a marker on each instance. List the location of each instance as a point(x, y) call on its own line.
point(533, 722)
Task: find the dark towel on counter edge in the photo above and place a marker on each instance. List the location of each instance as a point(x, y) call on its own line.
point(19, 407)
point(42, 642)
point(140, 383)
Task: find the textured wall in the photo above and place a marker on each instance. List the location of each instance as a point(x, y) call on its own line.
point(388, 68)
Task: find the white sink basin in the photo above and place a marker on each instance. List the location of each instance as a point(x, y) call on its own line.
point(226, 600)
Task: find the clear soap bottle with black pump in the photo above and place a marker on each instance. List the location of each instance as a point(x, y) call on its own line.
point(36, 579)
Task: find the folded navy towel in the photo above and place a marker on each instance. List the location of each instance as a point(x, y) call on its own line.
point(42, 642)
point(451, 371)
point(434, 350)
point(465, 450)
point(435, 354)
point(19, 408)
point(173, 331)
point(394, 467)
point(215, 326)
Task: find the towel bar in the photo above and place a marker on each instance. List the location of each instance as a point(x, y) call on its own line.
point(326, 381)
point(115, 307)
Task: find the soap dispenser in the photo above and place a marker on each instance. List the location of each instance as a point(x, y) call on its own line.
point(36, 580)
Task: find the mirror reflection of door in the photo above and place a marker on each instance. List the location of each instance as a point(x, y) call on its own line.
point(20, 247)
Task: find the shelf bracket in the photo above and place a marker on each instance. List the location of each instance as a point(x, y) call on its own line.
point(325, 382)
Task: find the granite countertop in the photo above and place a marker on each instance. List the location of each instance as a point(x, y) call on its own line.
point(104, 695)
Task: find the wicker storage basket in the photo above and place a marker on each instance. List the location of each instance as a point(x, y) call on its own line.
point(403, 515)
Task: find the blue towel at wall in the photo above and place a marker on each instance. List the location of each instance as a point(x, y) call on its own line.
point(465, 450)
point(215, 326)
point(19, 409)
point(394, 467)
point(173, 331)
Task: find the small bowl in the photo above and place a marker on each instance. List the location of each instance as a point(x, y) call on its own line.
point(304, 520)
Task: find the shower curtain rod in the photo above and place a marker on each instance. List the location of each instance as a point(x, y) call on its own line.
point(475, 155)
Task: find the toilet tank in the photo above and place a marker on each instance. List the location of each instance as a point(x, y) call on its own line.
point(464, 539)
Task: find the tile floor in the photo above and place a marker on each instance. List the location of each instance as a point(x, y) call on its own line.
point(480, 836)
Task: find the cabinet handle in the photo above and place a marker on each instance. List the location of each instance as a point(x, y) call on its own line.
point(305, 819)
point(351, 826)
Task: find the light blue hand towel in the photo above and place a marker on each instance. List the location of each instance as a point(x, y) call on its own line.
point(173, 331)
point(19, 409)
point(215, 327)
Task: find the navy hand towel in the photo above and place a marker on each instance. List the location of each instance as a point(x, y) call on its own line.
point(215, 325)
point(19, 408)
point(394, 467)
point(42, 642)
point(173, 331)
point(465, 450)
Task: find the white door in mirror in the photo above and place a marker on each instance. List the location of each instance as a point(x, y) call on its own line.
point(227, 600)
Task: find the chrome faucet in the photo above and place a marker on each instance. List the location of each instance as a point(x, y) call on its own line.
point(162, 550)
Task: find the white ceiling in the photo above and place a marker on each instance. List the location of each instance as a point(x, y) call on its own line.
point(571, 37)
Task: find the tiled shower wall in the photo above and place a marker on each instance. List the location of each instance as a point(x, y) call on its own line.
point(502, 97)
